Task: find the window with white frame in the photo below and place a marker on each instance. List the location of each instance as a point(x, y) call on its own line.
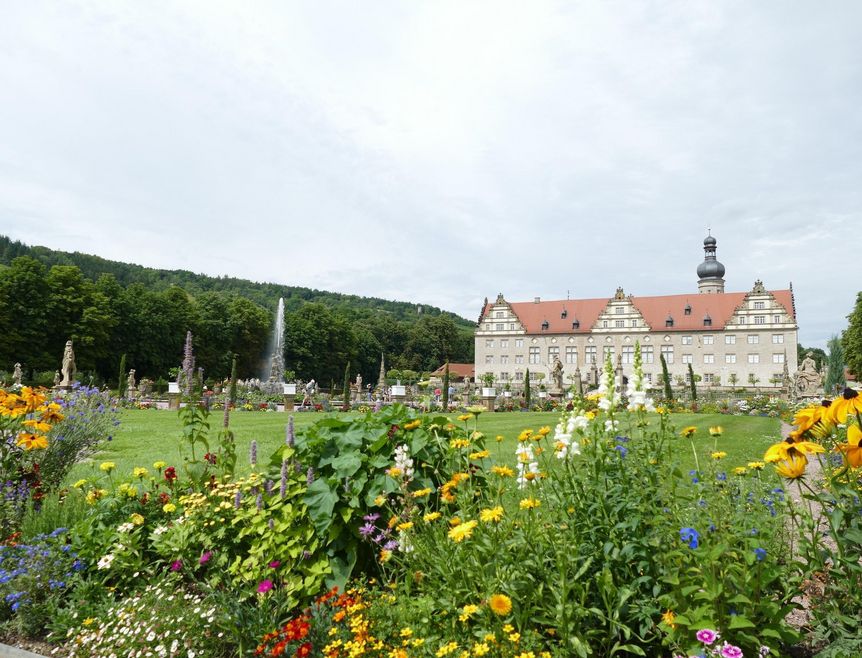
point(778, 358)
point(489, 343)
point(519, 376)
point(776, 319)
point(504, 343)
point(571, 354)
point(686, 340)
point(708, 378)
point(687, 358)
point(619, 324)
point(511, 326)
point(498, 314)
point(730, 358)
point(709, 358)
point(667, 353)
point(754, 358)
point(634, 322)
point(708, 340)
point(489, 359)
point(759, 306)
point(553, 353)
point(628, 354)
point(730, 339)
point(534, 355)
point(504, 359)
point(742, 319)
point(777, 338)
point(590, 354)
point(519, 342)
point(759, 319)
point(498, 326)
point(608, 352)
point(647, 355)
point(648, 377)
point(604, 324)
point(519, 358)
point(753, 339)
point(504, 376)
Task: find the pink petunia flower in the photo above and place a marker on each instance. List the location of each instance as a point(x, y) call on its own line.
point(275, 564)
point(176, 565)
point(707, 636)
point(264, 587)
point(730, 651)
point(205, 557)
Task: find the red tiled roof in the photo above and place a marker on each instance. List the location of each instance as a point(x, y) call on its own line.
point(456, 370)
point(655, 310)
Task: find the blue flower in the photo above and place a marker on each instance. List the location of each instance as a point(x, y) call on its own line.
point(690, 536)
point(721, 477)
point(760, 553)
point(622, 450)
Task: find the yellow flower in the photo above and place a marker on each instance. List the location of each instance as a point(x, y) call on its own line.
point(688, 431)
point(716, 430)
point(468, 611)
point(514, 637)
point(79, 484)
point(169, 507)
point(668, 617)
point(781, 451)
point(95, 494)
point(847, 404)
point(481, 649)
point(756, 466)
point(718, 454)
point(136, 519)
point(508, 628)
point(459, 443)
point(793, 467)
point(413, 424)
point(529, 503)
point(525, 435)
point(107, 466)
point(454, 521)
point(852, 449)
point(465, 417)
point(394, 472)
point(462, 531)
point(406, 632)
point(51, 413)
point(660, 411)
point(544, 431)
point(385, 554)
point(88, 621)
point(498, 438)
point(405, 526)
point(30, 441)
point(140, 472)
point(492, 515)
point(37, 425)
point(502, 471)
point(419, 493)
point(431, 516)
point(159, 465)
point(380, 501)
point(482, 454)
point(740, 470)
point(500, 604)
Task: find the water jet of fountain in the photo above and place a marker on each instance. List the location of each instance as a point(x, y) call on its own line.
point(274, 379)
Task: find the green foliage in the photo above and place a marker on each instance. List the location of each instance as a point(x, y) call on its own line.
point(665, 377)
point(345, 391)
point(233, 378)
point(693, 383)
point(446, 386)
point(121, 377)
point(834, 380)
point(527, 389)
point(851, 339)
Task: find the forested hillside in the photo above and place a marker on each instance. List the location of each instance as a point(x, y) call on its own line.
point(109, 308)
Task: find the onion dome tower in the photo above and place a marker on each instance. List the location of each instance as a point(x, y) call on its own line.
point(710, 272)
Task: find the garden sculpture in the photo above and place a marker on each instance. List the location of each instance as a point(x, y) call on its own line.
point(68, 368)
point(17, 374)
point(808, 380)
point(557, 374)
point(130, 382)
point(56, 378)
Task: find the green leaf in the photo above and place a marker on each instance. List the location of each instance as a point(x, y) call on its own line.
point(320, 500)
point(346, 464)
point(737, 621)
point(631, 648)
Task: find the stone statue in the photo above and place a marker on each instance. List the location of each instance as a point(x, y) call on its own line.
point(17, 375)
point(130, 382)
point(808, 381)
point(468, 389)
point(145, 386)
point(358, 382)
point(557, 374)
point(68, 368)
point(577, 382)
point(56, 378)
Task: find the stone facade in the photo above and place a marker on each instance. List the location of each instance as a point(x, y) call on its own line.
point(742, 339)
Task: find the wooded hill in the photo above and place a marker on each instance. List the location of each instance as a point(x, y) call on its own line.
point(109, 308)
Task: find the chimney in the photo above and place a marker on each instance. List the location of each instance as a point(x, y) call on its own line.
point(537, 300)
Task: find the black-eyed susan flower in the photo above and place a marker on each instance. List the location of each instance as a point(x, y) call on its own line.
point(786, 449)
point(793, 467)
point(31, 441)
point(848, 403)
point(717, 430)
point(689, 431)
point(853, 448)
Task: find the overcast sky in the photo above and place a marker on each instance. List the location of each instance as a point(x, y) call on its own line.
point(442, 152)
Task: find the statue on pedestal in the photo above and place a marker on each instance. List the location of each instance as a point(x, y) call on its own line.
point(68, 368)
point(17, 375)
point(808, 382)
point(56, 378)
point(557, 375)
point(130, 381)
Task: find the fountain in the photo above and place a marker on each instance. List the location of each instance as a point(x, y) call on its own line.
point(273, 382)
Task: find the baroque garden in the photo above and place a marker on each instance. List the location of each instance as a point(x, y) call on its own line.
point(604, 491)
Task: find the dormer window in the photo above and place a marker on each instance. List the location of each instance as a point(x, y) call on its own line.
point(545, 325)
point(576, 324)
point(564, 314)
point(707, 321)
point(669, 321)
point(688, 309)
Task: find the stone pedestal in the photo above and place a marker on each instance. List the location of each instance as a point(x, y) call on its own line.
point(398, 393)
point(289, 391)
point(488, 402)
point(173, 401)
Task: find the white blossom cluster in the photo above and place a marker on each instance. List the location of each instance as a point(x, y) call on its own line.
point(404, 462)
point(157, 623)
point(636, 394)
point(570, 423)
point(609, 397)
point(526, 464)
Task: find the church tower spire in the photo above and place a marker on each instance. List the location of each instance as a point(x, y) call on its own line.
point(710, 272)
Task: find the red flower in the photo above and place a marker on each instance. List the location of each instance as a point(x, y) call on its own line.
point(304, 650)
point(264, 587)
point(170, 474)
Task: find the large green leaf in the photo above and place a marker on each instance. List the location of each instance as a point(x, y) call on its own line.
point(320, 499)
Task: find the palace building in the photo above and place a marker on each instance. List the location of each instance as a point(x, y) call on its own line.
point(740, 339)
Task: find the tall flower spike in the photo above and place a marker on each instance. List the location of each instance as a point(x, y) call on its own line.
point(309, 476)
point(252, 453)
point(188, 368)
point(283, 488)
point(226, 418)
point(291, 436)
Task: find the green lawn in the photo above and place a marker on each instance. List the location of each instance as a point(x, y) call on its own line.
point(144, 437)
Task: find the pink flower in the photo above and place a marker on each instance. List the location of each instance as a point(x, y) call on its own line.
point(730, 651)
point(707, 636)
point(205, 557)
point(275, 564)
point(176, 565)
point(264, 587)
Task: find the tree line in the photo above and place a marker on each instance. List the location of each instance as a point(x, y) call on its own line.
point(41, 307)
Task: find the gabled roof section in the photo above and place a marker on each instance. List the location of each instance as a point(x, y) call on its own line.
point(561, 315)
point(718, 307)
point(456, 370)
